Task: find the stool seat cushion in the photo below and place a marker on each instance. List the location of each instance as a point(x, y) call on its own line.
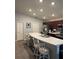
point(43, 50)
point(36, 45)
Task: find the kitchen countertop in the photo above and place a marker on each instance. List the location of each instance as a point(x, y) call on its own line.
point(50, 39)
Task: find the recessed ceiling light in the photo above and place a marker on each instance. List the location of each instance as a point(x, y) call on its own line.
point(52, 3)
point(41, 1)
point(53, 15)
point(34, 14)
point(44, 17)
point(41, 10)
point(30, 10)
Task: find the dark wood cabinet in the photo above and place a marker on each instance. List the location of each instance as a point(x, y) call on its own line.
point(54, 24)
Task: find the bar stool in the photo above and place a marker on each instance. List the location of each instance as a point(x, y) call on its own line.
point(26, 41)
point(44, 52)
point(40, 51)
point(36, 47)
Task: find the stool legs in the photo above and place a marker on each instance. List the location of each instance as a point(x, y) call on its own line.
point(44, 56)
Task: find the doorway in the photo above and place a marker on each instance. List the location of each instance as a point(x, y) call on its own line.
point(19, 31)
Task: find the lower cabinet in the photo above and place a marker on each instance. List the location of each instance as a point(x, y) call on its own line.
point(61, 52)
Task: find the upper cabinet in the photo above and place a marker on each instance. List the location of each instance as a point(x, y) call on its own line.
point(55, 24)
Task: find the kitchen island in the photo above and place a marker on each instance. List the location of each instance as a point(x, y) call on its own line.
point(52, 44)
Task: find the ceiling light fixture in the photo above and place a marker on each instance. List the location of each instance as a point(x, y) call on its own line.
point(44, 17)
point(30, 10)
point(41, 10)
point(53, 15)
point(34, 14)
point(52, 3)
point(41, 1)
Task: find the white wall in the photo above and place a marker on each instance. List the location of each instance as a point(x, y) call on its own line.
point(36, 24)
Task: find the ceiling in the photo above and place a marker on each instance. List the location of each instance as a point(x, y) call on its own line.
point(23, 6)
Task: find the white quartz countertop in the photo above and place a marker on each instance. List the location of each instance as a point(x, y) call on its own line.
point(50, 40)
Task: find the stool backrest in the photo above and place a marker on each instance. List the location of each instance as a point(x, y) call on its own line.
point(28, 37)
point(35, 41)
point(42, 45)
